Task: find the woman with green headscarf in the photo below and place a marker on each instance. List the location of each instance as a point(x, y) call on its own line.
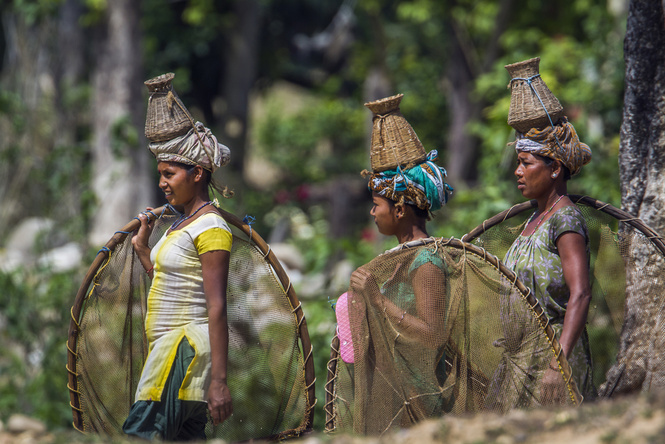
point(391, 319)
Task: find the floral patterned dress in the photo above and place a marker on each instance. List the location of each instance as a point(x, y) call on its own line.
point(535, 259)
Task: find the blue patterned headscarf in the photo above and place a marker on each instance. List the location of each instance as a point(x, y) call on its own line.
point(423, 185)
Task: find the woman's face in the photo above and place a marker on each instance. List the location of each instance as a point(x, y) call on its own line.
point(534, 176)
point(178, 185)
point(385, 214)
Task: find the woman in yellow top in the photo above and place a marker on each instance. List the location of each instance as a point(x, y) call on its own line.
point(184, 376)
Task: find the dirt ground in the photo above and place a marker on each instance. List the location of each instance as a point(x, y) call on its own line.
point(634, 420)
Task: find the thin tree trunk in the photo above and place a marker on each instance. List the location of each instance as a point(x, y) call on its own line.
point(464, 67)
point(241, 69)
point(640, 361)
point(120, 159)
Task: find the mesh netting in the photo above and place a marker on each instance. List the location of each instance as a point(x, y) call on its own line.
point(626, 255)
point(441, 327)
point(266, 370)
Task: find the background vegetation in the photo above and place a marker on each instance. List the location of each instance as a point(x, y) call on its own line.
point(299, 133)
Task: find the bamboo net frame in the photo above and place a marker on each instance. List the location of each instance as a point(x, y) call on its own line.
point(620, 215)
point(536, 309)
point(650, 236)
point(269, 256)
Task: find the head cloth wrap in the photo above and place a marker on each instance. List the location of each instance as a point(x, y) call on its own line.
point(558, 142)
point(423, 185)
point(196, 147)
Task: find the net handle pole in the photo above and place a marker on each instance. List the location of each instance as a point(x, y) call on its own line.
point(79, 299)
point(303, 333)
point(331, 382)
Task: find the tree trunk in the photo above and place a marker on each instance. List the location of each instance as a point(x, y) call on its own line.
point(121, 163)
point(640, 361)
point(463, 69)
point(241, 69)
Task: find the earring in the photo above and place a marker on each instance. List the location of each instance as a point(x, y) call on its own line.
point(554, 176)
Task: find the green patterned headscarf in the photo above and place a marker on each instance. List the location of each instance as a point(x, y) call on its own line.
point(423, 185)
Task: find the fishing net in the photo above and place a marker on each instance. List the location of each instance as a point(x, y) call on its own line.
point(441, 326)
point(270, 378)
point(626, 255)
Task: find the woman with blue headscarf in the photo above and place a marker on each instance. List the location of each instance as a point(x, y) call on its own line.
point(391, 320)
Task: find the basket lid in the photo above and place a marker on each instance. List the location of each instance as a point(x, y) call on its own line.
point(160, 83)
point(385, 105)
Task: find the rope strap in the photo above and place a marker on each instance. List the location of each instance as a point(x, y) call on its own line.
point(72, 351)
point(71, 312)
point(71, 371)
point(77, 409)
point(74, 391)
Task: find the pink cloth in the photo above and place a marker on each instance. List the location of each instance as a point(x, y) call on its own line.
point(344, 329)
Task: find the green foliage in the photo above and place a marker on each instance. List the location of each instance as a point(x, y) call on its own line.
point(35, 313)
point(35, 10)
point(315, 143)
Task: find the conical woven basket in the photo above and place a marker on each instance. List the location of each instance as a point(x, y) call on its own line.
point(167, 116)
point(526, 111)
point(394, 142)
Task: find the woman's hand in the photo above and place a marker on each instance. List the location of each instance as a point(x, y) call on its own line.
point(219, 401)
point(362, 281)
point(141, 236)
point(140, 239)
point(553, 390)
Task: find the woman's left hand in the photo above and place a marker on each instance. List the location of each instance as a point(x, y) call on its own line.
point(553, 391)
point(220, 404)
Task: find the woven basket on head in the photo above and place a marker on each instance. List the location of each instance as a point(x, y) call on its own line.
point(167, 116)
point(394, 142)
point(526, 111)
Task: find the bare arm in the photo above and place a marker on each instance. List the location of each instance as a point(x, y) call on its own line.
point(574, 261)
point(215, 267)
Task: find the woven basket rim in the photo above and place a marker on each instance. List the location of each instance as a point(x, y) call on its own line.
point(385, 105)
point(162, 81)
point(523, 64)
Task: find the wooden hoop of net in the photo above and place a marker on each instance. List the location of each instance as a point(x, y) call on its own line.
point(303, 341)
point(628, 258)
point(616, 213)
point(467, 251)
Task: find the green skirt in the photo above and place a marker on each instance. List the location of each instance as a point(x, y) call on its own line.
point(170, 419)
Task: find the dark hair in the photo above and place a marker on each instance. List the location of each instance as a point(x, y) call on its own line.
point(418, 212)
point(190, 170)
point(549, 161)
